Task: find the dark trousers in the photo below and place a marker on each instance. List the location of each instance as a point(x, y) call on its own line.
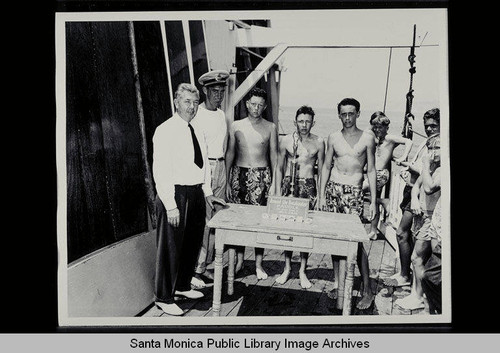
point(431, 281)
point(177, 248)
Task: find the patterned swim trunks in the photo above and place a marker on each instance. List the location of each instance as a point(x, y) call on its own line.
point(305, 189)
point(382, 178)
point(342, 198)
point(250, 185)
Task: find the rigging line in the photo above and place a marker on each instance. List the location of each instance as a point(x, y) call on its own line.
point(326, 46)
point(423, 38)
point(387, 81)
point(281, 127)
point(419, 134)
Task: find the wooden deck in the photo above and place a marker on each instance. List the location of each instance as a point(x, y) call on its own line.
point(268, 298)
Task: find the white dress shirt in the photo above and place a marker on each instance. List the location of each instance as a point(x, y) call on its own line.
point(214, 127)
point(173, 160)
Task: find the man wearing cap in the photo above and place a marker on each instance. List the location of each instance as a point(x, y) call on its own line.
point(182, 178)
point(211, 121)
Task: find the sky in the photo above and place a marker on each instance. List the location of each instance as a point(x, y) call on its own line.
point(321, 77)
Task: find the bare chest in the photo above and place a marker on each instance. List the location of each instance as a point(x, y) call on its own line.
point(252, 137)
point(349, 147)
point(383, 150)
point(302, 150)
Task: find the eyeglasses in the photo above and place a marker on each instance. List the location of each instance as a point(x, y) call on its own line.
point(348, 114)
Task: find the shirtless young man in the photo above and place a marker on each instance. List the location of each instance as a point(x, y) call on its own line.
point(425, 195)
point(298, 154)
point(410, 174)
point(384, 148)
point(342, 185)
point(251, 157)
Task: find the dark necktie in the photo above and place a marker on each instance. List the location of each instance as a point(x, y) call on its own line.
point(198, 159)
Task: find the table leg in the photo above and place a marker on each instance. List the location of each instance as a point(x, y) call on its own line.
point(216, 304)
point(342, 264)
point(230, 271)
point(349, 278)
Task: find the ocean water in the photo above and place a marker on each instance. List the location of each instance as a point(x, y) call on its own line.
point(327, 121)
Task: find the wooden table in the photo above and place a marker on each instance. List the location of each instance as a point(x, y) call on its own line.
point(328, 233)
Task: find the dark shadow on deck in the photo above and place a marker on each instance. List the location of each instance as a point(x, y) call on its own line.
point(268, 298)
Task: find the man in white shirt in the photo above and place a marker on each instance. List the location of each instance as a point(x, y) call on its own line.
point(182, 177)
point(211, 121)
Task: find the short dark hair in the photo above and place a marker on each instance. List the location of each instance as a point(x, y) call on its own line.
point(349, 101)
point(432, 114)
point(305, 110)
point(257, 92)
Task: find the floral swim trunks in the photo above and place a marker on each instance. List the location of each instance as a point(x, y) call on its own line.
point(342, 198)
point(250, 185)
point(382, 178)
point(306, 189)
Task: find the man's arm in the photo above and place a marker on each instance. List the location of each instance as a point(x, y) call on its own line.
point(320, 159)
point(273, 156)
point(225, 128)
point(399, 140)
point(280, 165)
point(372, 176)
point(162, 174)
point(415, 191)
point(325, 171)
point(415, 166)
point(431, 183)
point(207, 183)
point(229, 157)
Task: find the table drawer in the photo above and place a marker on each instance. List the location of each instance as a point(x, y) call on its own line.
point(285, 240)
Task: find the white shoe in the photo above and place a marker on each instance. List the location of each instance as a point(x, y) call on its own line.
point(197, 283)
point(191, 294)
point(170, 309)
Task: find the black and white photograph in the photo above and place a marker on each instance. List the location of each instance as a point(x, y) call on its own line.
point(264, 167)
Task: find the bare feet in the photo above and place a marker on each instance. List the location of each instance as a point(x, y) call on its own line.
point(284, 276)
point(411, 302)
point(239, 266)
point(366, 300)
point(261, 274)
point(304, 281)
point(373, 235)
point(239, 261)
point(396, 280)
